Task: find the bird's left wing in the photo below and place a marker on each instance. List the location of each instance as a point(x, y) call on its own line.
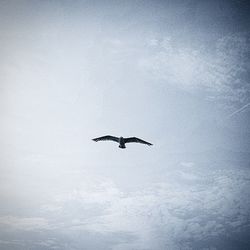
point(106, 138)
point(135, 139)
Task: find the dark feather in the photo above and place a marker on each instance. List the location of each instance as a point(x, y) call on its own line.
point(135, 139)
point(106, 138)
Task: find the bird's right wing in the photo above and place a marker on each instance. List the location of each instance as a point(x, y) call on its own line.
point(138, 140)
point(106, 138)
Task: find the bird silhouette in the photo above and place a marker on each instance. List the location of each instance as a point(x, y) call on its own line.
point(121, 140)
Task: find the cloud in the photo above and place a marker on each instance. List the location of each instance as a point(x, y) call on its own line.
point(187, 164)
point(242, 109)
point(190, 207)
point(220, 72)
point(26, 224)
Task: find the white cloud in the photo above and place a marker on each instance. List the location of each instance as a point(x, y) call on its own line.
point(26, 224)
point(187, 164)
point(172, 213)
point(222, 72)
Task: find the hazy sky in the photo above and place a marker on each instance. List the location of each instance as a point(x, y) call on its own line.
point(175, 73)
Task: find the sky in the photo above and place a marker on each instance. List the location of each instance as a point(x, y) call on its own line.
point(174, 73)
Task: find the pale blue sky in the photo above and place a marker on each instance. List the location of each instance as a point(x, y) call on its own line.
point(175, 73)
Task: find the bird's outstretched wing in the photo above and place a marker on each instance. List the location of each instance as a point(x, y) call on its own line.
point(135, 139)
point(106, 138)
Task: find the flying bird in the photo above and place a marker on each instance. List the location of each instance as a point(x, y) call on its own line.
point(121, 140)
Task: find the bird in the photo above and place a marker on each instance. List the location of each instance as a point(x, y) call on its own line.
point(121, 140)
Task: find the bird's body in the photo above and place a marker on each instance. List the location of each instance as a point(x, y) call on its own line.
point(121, 140)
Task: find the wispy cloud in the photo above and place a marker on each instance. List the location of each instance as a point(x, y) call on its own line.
point(192, 205)
point(242, 109)
point(220, 72)
point(25, 224)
